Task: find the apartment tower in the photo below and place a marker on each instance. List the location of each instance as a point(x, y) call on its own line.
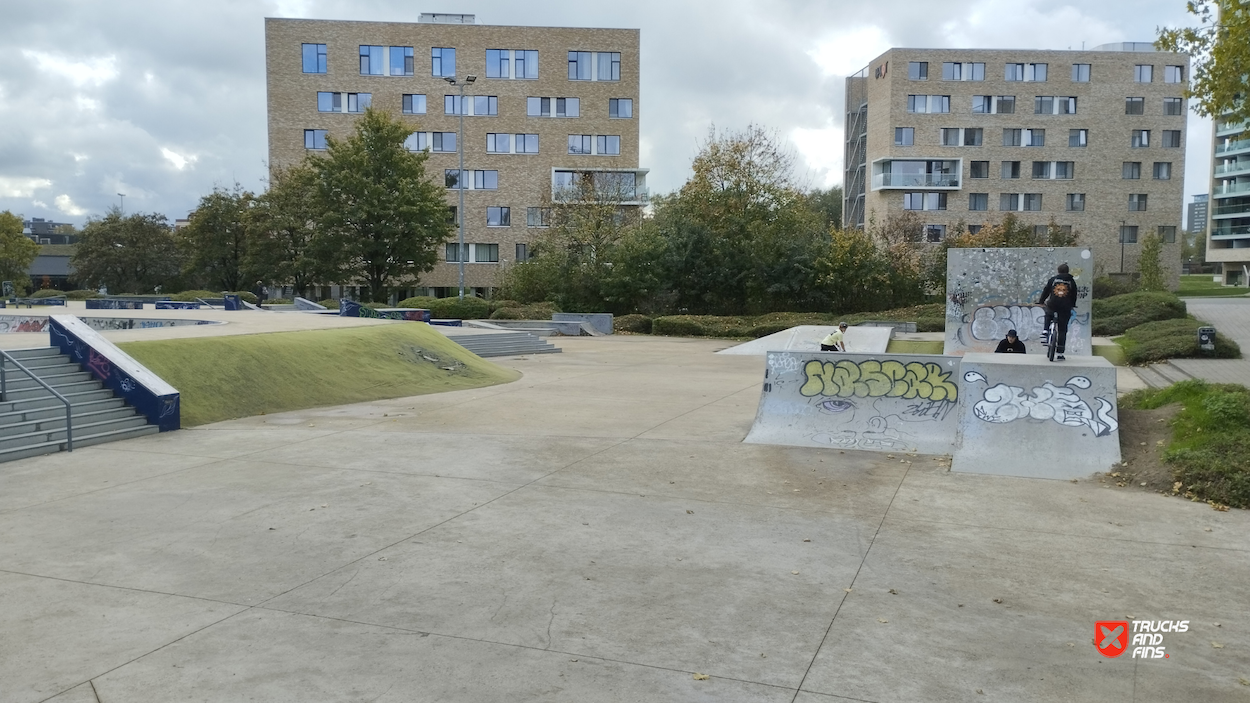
point(1228, 224)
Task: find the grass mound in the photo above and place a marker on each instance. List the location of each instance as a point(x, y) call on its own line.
point(1172, 339)
point(928, 318)
point(1210, 448)
point(1115, 315)
point(221, 378)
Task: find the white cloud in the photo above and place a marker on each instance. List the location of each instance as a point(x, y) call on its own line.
point(178, 160)
point(67, 206)
point(845, 53)
point(39, 203)
point(86, 104)
point(20, 187)
point(1030, 24)
point(822, 150)
point(92, 71)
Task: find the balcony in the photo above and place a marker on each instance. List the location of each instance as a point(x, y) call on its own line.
point(927, 174)
point(1227, 232)
point(1241, 209)
point(1232, 189)
point(1233, 147)
point(1226, 129)
point(914, 180)
point(1234, 169)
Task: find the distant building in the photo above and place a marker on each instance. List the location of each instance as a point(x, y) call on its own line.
point(181, 224)
point(43, 231)
point(1196, 217)
point(1228, 237)
point(52, 267)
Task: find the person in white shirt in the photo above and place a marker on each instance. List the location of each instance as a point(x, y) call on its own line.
point(835, 341)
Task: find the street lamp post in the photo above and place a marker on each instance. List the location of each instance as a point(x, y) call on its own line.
point(1122, 246)
point(460, 253)
point(122, 209)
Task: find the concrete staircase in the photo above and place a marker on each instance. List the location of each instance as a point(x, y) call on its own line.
point(1161, 375)
point(504, 344)
point(32, 421)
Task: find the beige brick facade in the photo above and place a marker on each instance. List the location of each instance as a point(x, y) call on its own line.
point(524, 179)
point(1096, 169)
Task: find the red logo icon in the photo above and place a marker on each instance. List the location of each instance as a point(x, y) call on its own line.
point(1111, 637)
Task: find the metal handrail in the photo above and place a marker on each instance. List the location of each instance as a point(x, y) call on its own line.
point(4, 393)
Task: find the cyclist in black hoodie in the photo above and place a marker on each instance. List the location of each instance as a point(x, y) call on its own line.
point(1059, 297)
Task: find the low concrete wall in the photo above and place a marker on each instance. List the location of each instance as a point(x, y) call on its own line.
point(13, 324)
point(600, 321)
point(859, 340)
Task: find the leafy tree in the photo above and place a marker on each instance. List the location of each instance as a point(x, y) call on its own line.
point(281, 227)
point(382, 218)
point(17, 251)
point(215, 241)
point(828, 204)
point(1194, 247)
point(1148, 263)
point(131, 254)
point(1220, 51)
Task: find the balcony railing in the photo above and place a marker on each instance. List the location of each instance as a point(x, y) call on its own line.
point(914, 180)
point(625, 194)
point(1232, 189)
point(1239, 145)
point(1227, 128)
point(1230, 169)
point(1238, 231)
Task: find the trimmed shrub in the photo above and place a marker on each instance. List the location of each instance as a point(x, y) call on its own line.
point(83, 295)
point(501, 304)
point(679, 326)
point(279, 301)
point(1172, 339)
point(329, 303)
point(189, 296)
point(1117, 314)
point(48, 293)
point(1108, 287)
point(423, 302)
point(450, 308)
point(533, 311)
point(639, 324)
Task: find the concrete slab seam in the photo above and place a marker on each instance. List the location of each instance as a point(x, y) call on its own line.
point(1067, 534)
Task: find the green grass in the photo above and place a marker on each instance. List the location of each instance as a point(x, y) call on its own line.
point(1195, 285)
point(1111, 352)
point(1172, 339)
point(1115, 315)
point(912, 346)
point(221, 378)
point(1209, 450)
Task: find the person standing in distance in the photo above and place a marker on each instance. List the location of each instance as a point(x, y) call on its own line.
point(1059, 297)
point(1010, 345)
point(835, 341)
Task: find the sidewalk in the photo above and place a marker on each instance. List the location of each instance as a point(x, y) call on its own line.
point(596, 531)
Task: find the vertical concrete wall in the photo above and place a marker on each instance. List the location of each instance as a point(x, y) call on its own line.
point(1024, 416)
point(876, 402)
point(990, 291)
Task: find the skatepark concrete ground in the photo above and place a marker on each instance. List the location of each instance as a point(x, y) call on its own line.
point(596, 531)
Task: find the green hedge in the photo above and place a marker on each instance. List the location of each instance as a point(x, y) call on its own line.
point(189, 296)
point(533, 311)
point(279, 301)
point(1115, 315)
point(928, 318)
point(1108, 287)
point(329, 303)
point(48, 293)
point(1172, 339)
point(83, 294)
point(450, 308)
point(639, 324)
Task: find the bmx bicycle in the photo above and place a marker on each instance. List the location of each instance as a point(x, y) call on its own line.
point(1052, 335)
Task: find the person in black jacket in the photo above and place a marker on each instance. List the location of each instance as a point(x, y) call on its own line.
point(1059, 297)
point(1010, 345)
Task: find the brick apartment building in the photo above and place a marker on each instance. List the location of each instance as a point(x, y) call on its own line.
point(549, 106)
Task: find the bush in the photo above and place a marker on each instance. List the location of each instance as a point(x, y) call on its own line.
point(450, 308)
point(681, 326)
point(1115, 315)
point(533, 311)
point(422, 302)
point(1172, 339)
point(48, 293)
point(279, 301)
point(640, 324)
point(501, 304)
point(189, 296)
point(330, 303)
point(83, 295)
point(1107, 287)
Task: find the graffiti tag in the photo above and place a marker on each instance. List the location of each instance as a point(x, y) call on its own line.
point(1001, 404)
point(878, 379)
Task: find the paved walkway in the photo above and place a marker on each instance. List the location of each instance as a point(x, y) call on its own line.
point(596, 531)
point(1231, 317)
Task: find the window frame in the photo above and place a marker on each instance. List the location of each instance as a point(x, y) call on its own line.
point(503, 216)
point(407, 104)
point(584, 148)
point(439, 61)
point(369, 57)
point(316, 135)
point(1073, 200)
point(408, 61)
point(320, 58)
point(908, 135)
point(614, 108)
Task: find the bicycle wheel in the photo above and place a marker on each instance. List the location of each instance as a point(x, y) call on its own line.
point(1053, 342)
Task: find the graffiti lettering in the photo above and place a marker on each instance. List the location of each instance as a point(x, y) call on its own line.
point(1002, 403)
point(878, 379)
point(98, 364)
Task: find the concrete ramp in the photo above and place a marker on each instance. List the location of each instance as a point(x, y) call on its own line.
point(875, 402)
point(1021, 415)
point(806, 338)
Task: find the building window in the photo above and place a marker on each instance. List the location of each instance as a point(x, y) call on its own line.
point(982, 104)
point(1134, 106)
point(414, 104)
point(609, 66)
point(974, 229)
point(972, 136)
point(1136, 202)
point(455, 105)
point(451, 176)
point(1014, 72)
point(314, 139)
point(486, 180)
point(904, 136)
point(1080, 73)
point(329, 102)
point(1173, 74)
point(1012, 137)
point(1066, 105)
point(1005, 105)
point(918, 70)
point(579, 143)
point(568, 107)
point(1163, 170)
point(579, 65)
point(522, 252)
point(929, 103)
point(451, 216)
point(963, 71)
point(1044, 105)
point(442, 62)
point(1173, 106)
point(456, 253)
point(485, 105)
point(979, 169)
point(1078, 137)
point(608, 144)
point(1172, 138)
point(934, 233)
point(1011, 169)
point(1130, 170)
point(537, 216)
point(498, 217)
point(359, 102)
point(538, 107)
point(621, 108)
point(1128, 234)
point(1034, 137)
point(371, 60)
point(417, 141)
point(1143, 73)
point(950, 136)
point(1167, 232)
point(1139, 138)
point(1041, 169)
point(1065, 170)
point(402, 61)
point(443, 141)
point(314, 58)
point(498, 63)
point(527, 143)
point(924, 201)
point(1076, 202)
point(1032, 202)
point(1032, 72)
point(978, 201)
point(1009, 202)
point(541, 107)
point(498, 143)
point(486, 253)
point(525, 64)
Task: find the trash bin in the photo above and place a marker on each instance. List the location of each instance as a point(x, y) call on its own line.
point(1206, 338)
point(233, 302)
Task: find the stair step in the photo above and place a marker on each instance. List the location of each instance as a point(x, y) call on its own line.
point(86, 429)
point(20, 381)
point(33, 353)
point(84, 441)
point(487, 353)
point(58, 410)
point(1151, 377)
point(1171, 373)
point(48, 400)
point(56, 422)
point(65, 390)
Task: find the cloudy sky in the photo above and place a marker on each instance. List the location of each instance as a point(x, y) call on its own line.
point(164, 99)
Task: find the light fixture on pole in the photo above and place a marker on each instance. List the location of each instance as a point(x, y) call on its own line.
point(460, 184)
point(122, 208)
point(1122, 235)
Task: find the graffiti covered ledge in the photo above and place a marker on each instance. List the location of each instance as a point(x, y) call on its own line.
point(1025, 416)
